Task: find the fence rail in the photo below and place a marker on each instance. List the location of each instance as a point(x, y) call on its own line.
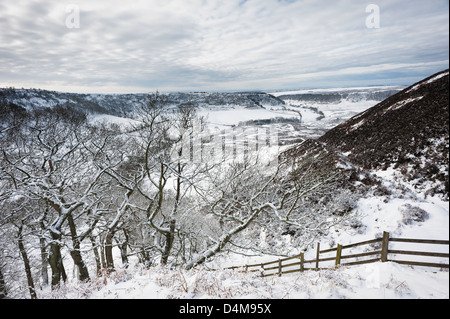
point(379, 247)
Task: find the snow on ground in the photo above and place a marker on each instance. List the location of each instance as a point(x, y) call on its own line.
point(434, 78)
point(369, 281)
point(372, 281)
point(333, 113)
point(323, 115)
point(234, 115)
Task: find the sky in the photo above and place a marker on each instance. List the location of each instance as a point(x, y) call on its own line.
point(212, 45)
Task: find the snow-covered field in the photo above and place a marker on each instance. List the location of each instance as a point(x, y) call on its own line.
point(236, 115)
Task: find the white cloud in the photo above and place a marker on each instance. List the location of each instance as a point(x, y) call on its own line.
point(218, 45)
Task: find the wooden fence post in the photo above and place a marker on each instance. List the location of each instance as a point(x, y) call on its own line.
point(338, 255)
point(317, 256)
point(384, 246)
point(279, 267)
point(302, 260)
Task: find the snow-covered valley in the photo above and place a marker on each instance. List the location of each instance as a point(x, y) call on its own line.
point(296, 116)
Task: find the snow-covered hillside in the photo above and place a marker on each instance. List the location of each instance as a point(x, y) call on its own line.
point(374, 281)
point(387, 206)
point(371, 281)
point(382, 200)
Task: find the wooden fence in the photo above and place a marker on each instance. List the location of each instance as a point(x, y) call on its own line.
point(376, 250)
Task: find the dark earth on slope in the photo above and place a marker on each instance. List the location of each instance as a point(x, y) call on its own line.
point(408, 131)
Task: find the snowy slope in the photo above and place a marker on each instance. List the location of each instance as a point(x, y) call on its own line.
point(372, 281)
point(376, 212)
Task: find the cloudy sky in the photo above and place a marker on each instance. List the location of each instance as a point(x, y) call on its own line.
point(213, 45)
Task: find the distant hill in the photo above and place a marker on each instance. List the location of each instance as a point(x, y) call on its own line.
point(408, 131)
point(325, 96)
point(125, 104)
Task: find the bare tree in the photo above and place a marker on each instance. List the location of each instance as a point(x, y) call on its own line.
point(46, 162)
point(239, 193)
point(304, 195)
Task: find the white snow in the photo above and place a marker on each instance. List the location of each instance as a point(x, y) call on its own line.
point(434, 78)
point(234, 115)
point(372, 281)
point(402, 103)
point(357, 125)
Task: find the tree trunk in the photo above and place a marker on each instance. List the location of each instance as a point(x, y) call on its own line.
point(170, 236)
point(169, 242)
point(44, 262)
point(209, 253)
point(124, 250)
point(26, 262)
point(96, 255)
point(3, 292)
point(44, 253)
point(75, 253)
point(144, 257)
point(102, 256)
point(55, 261)
point(108, 250)
point(223, 240)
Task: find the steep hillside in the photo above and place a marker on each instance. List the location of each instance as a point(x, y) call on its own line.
point(408, 131)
